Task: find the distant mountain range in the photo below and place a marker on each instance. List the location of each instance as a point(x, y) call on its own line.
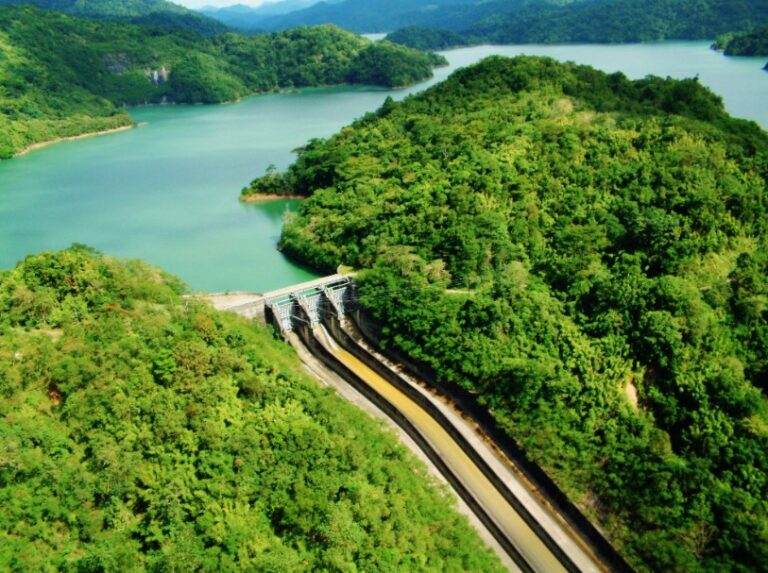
point(152, 12)
point(617, 21)
point(249, 18)
point(514, 21)
point(354, 15)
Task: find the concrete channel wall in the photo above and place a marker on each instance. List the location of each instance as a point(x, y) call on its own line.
point(506, 539)
point(344, 334)
point(318, 350)
point(540, 480)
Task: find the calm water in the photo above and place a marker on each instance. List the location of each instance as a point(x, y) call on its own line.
point(167, 192)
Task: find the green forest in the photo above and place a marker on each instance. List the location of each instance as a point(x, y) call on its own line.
point(588, 255)
point(143, 431)
point(752, 43)
point(428, 38)
point(155, 12)
point(62, 76)
point(591, 21)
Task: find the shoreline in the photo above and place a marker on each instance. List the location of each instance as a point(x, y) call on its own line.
point(263, 197)
point(41, 144)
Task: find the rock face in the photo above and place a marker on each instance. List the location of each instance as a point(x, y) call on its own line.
point(118, 63)
point(159, 76)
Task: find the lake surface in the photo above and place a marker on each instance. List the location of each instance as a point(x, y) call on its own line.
point(167, 192)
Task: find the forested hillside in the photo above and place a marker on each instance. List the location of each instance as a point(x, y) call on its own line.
point(63, 76)
point(143, 432)
point(428, 38)
point(535, 21)
point(613, 21)
point(752, 43)
point(155, 12)
point(594, 21)
point(589, 256)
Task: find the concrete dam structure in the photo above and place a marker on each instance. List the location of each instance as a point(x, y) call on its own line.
point(524, 518)
point(311, 304)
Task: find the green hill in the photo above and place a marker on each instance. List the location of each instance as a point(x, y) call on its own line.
point(63, 76)
point(593, 21)
point(157, 12)
point(614, 21)
point(752, 43)
point(143, 432)
point(533, 21)
point(587, 255)
point(427, 38)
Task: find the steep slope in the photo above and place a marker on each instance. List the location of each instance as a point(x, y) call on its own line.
point(143, 432)
point(587, 255)
point(63, 76)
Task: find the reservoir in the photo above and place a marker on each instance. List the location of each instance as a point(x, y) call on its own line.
point(167, 192)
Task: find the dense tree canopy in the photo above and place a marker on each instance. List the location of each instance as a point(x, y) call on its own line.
point(612, 21)
point(752, 43)
point(157, 12)
point(140, 431)
point(62, 76)
point(593, 21)
point(588, 255)
point(427, 38)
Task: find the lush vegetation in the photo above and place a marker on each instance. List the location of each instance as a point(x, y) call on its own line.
point(600, 21)
point(752, 43)
point(589, 256)
point(426, 39)
point(156, 12)
point(62, 76)
point(533, 21)
point(611, 21)
point(140, 431)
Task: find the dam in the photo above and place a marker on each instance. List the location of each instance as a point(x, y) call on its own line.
point(533, 530)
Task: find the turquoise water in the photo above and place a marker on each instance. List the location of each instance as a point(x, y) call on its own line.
point(167, 191)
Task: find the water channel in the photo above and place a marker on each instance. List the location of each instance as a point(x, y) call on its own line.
point(167, 191)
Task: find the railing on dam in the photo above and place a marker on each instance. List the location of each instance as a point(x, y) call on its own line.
point(310, 303)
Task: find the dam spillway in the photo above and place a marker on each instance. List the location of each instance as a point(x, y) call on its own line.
point(322, 318)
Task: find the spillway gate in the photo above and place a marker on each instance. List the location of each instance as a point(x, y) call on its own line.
point(310, 305)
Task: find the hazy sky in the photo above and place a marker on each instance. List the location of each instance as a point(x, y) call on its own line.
point(201, 3)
